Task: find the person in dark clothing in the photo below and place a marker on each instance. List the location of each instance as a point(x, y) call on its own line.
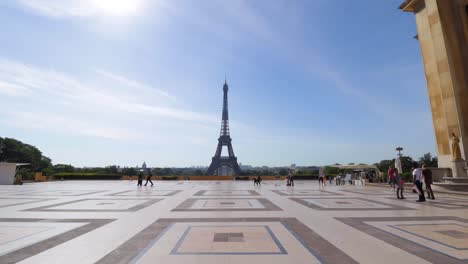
point(418, 182)
point(257, 180)
point(427, 173)
point(140, 179)
point(148, 179)
point(291, 180)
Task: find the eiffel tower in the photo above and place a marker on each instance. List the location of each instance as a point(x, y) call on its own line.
point(224, 139)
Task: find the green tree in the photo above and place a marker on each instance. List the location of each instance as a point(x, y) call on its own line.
point(16, 151)
point(383, 165)
point(328, 170)
point(130, 171)
point(63, 168)
point(283, 172)
point(428, 160)
point(407, 163)
point(111, 169)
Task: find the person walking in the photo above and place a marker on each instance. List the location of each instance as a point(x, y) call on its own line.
point(391, 181)
point(399, 184)
point(257, 180)
point(427, 173)
point(148, 179)
point(418, 181)
point(140, 179)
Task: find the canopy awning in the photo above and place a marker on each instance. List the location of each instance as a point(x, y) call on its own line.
point(355, 167)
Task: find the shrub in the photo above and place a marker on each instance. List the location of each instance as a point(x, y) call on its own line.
point(169, 178)
point(86, 176)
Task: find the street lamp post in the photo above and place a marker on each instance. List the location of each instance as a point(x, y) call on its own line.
point(399, 149)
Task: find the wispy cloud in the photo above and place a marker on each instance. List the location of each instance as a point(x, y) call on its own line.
point(59, 8)
point(137, 87)
point(91, 106)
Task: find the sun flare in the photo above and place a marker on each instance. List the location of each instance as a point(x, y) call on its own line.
point(117, 7)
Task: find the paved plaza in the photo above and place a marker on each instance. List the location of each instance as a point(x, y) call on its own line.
point(210, 222)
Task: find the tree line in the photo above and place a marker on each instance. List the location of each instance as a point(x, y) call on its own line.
point(12, 150)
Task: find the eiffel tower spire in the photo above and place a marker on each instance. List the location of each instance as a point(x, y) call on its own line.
point(224, 140)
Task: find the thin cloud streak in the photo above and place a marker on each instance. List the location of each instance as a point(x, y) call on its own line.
point(134, 85)
point(64, 100)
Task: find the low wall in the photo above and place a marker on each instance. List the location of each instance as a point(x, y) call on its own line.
point(210, 178)
point(39, 177)
point(85, 176)
point(203, 178)
point(439, 173)
point(7, 173)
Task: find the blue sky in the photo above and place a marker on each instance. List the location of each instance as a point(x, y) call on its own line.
point(100, 82)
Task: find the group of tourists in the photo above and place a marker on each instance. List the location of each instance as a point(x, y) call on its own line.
point(148, 178)
point(421, 176)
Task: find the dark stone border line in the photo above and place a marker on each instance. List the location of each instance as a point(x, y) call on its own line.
point(172, 193)
point(325, 193)
point(317, 207)
point(135, 247)
point(379, 191)
point(202, 193)
point(22, 203)
point(187, 204)
point(439, 203)
point(88, 192)
point(34, 249)
point(404, 244)
point(48, 208)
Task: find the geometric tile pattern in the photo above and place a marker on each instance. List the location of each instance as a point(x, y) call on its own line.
point(146, 192)
point(305, 193)
point(228, 237)
point(98, 205)
point(227, 204)
point(228, 240)
point(7, 202)
point(61, 193)
point(347, 204)
point(227, 193)
point(372, 191)
point(272, 237)
point(436, 239)
point(190, 222)
point(447, 203)
point(23, 238)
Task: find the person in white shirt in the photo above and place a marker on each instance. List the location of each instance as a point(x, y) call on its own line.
point(418, 179)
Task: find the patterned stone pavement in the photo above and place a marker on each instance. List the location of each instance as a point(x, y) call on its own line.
point(227, 222)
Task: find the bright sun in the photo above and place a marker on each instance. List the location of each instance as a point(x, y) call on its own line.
point(117, 7)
